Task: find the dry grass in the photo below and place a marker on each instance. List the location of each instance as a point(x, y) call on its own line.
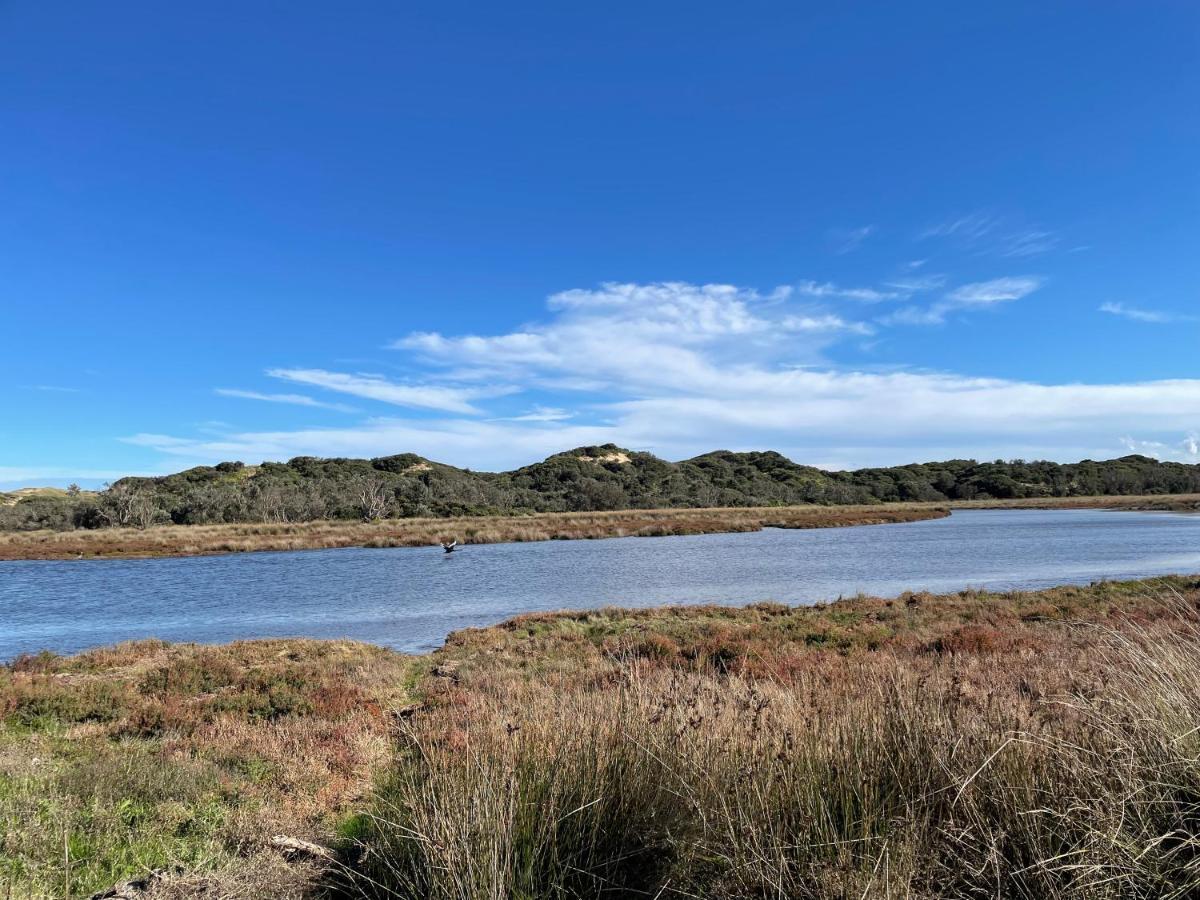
point(148, 756)
point(972, 745)
point(192, 540)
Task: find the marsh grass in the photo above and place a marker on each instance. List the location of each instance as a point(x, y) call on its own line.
point(191, 540)
point(1059, 763)
point(148, 756)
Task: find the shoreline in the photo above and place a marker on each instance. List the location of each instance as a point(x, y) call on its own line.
point(207, 540)
point(210, 540)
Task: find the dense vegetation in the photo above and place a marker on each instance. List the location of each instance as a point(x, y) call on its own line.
point(582, 480)
point(1022, 745)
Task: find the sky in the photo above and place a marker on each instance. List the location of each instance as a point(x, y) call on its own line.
point(859, 234)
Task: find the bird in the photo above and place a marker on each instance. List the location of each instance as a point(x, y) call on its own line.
point(449, 548)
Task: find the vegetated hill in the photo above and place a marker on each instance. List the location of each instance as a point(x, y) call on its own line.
point(584, 479)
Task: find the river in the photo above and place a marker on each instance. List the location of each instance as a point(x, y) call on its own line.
point(411, 599)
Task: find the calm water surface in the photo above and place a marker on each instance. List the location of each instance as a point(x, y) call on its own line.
point(411, 598)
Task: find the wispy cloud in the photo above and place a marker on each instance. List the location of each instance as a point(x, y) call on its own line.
point(829, 290)
point(977, 295)
point(290, 399)
point(1029, 242)
point(970, 227)
point(375, 387)
point(986, 233)
point(542, 414)
point(1157, 317)
point(52, 388)
point(825, 324)
point(847, 240)
point(998, 290)
point(907, 285)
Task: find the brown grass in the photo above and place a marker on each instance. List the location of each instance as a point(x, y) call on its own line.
point(193, 540)
point(1020, 745)
point(147, 756)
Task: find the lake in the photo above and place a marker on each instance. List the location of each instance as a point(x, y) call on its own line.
point(411, 599)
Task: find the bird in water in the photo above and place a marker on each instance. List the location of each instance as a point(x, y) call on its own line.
point(449, 547)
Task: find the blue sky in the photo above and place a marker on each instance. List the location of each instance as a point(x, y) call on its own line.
point(857, 233)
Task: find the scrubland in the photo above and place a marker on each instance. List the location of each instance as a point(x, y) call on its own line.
point(1032, 744)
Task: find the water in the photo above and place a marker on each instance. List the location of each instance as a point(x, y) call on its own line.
point(411, 598)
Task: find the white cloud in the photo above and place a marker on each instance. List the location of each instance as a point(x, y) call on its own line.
point(1144, 315)
point(655, 337)
point(474, 443)
point(1030, 242)
point(680, 369)
point(542, 414)
point(1186, 450)
point(998, 290)
point(825, 323)
point(847, 240)
point(829, 290)
point(375, 387)
point(290, 399)
point(914, 284)
point(858, 418)
point(989, 234)
point(970, 227)
point(977, 295)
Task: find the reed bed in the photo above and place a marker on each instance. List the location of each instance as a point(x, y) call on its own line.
point(1058, 760)
point(193, 540)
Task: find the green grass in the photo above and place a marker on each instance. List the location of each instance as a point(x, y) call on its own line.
point(184, 758)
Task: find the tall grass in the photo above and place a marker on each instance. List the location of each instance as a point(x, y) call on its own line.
point(968, 775)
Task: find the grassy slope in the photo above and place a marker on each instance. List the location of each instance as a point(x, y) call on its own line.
point(695, 750)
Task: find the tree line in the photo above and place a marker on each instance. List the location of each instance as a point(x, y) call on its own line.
point(585, 479)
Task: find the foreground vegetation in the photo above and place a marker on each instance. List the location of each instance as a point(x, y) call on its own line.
point(1039, 744)
point(186, 760)
point(587, 479)
point(204, 539)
